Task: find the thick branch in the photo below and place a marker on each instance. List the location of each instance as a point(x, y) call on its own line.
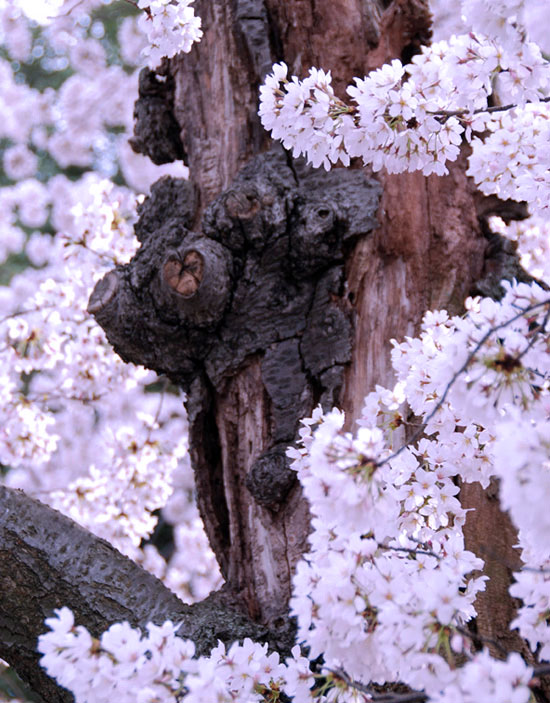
point(48, 561)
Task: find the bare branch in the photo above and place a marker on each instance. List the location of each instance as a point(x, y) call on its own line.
point(411, 697)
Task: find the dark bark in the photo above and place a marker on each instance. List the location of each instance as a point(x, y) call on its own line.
point(260, 304)
point(432, 247)
point(48, 561)
point(284, 340)
point(428, 251)
point(157, 134)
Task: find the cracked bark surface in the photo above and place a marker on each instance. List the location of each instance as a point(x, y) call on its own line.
point(254, 301)
point(431, 248)
point(264, 293)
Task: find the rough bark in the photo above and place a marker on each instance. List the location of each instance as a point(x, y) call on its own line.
point(428, 251)
point(490, 533)
point(431, 249)
point(242, 413)
point(251, 317)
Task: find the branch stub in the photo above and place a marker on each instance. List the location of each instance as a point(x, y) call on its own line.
point(184, 278)
point(103, 293)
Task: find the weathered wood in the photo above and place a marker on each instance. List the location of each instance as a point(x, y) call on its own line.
point(290, 330)
point(257, 332)
point(427, 254)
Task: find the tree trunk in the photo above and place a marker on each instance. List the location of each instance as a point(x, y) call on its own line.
point(427, 251)
point(263, 287)
point(270, 362)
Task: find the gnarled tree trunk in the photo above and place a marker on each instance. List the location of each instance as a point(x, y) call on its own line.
point(323, 269)
point(426, 250)
point(400, 245)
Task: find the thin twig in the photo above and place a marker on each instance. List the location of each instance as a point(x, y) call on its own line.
point(19, 313)
point(165, 383)
point(410, 550)
point(479, 110)
point(480, 638)
point(412, 697)
point(534, 335)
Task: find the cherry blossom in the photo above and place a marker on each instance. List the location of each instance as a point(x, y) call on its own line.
point(169, 27)
point(155, 667)
point(414, 117)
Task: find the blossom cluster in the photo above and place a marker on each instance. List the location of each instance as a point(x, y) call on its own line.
point(387, 586)
point(513, 161)
point(169, 27)
point(532, 240)
point(99, 670)
point(486, 377)
point(494, 357)
point(415, 117)
point(507, 21)
point(387, 580)
point(485, 678)
point(47, 329)
point(158, 667)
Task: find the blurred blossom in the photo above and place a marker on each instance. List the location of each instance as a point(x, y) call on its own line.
point(39, 249)
point(88, 57)
point(11, 241)
point(32, 199)
point(19, 162)
point(15, 34)
point(131, 40)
